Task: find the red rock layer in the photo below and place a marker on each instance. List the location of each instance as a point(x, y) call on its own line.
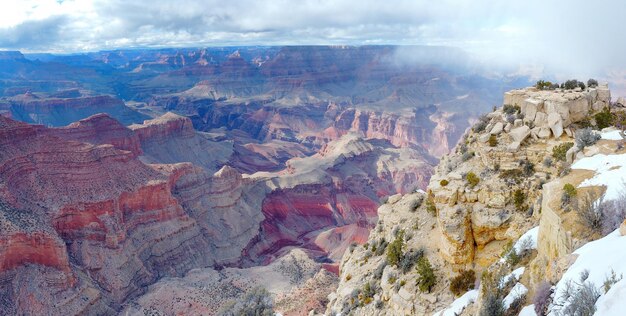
point(100, 129)
point(118, 216)
point(21, 248)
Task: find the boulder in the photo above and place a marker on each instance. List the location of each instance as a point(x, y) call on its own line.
point(508, 127)
point(519, 134)
point(555, 122)
point(497, 128)
point(531, 107)
point(541, 119)
point(513, 147)
point(569, 132)
point(571, 154)
point(621, 102)
point(543, 132)
point(518, 123)
point(484, 138)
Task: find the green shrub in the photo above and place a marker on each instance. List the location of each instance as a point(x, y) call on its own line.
point(573, 84)
point(514, 174)
point(395, 249)
point(569, 192)
point(463, 282)
point(480, 126)
point(426, 278)
point(443, 182)
point(604, 118)
point(519, 199)
point(472, 179)
point(545, 85)
point(528, 167)
point(431, 208)
point(493, 141)
point(559, 151)
point(592, 83)
point(510, 109)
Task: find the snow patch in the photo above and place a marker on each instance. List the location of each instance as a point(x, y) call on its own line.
point(609, 172)
point(517, 291)
point(516, 274)
point(612, 135)
point(528, 311)
point(521, 243)
point(599, 257)
point(459, 304)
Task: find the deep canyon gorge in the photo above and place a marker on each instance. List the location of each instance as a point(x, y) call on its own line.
point(206, 172)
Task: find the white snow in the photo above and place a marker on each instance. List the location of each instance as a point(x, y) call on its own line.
point(609, 172)
point(533, 233)
point(612, 135)
point(516, 274)
point(528, 311)
point(612, 303)
point(517, 291)
point(599, 257)
point(459, 304)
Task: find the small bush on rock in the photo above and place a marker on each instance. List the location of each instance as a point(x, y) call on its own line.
point(519, 200)
point(586, 137)
point(569, 192)
point(559, 151)
point(472, 179)
point(395, 249)
point(426, 278)
point(431, 208)
point(409, 259)
point(443, 182)
point(481, 125)
point(510, 109)
point(590, 213)
point(492, 306)
point(493, 141)
point(545, 85)
point(604, 118)
point(542, 298)
point(463, 282)
point(592, 83)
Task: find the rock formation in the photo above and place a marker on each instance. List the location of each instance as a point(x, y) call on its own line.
point(497, 185)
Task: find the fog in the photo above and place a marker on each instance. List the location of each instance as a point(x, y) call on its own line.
point(561, 38)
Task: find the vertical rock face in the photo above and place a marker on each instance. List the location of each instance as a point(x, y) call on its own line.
point(117, 216)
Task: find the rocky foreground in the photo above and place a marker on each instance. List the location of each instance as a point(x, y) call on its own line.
point(498, 229)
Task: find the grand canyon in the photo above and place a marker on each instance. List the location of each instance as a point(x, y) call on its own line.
point(319, 158)
point(124, 168)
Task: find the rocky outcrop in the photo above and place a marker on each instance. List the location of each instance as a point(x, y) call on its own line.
point(557, 109)
point(296, 283)
point(172, 139)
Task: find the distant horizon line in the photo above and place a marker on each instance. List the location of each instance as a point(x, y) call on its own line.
point(156, 48)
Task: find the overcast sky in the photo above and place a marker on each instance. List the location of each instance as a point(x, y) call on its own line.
point(531, 31)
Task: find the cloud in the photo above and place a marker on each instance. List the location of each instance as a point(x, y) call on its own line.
point(570, 37)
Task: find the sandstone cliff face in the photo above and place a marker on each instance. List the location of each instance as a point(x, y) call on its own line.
point(470, 223)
